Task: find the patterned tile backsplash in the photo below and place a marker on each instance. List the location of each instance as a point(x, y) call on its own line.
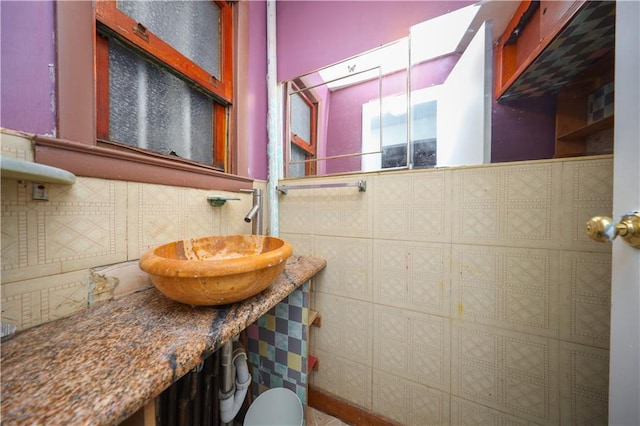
point(482, 299)
point(49, 248)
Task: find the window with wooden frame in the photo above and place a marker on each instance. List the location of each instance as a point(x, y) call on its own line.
point(164, 77)
point(303, 110)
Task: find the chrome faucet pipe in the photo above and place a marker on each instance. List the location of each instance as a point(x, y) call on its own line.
point(250, 216)
point(255, 215)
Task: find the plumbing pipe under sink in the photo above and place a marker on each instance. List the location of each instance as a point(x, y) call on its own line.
point(234, 365)
point(233, 357)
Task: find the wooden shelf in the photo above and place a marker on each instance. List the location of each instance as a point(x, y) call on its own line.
point(315, 318)
point(572, 128)
point(588, 130)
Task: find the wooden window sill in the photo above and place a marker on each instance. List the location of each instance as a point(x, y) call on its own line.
point(131, 164)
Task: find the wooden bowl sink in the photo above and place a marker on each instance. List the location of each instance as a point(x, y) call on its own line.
point(216, 270)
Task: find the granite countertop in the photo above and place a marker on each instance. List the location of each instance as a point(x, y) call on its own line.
point(103, 364)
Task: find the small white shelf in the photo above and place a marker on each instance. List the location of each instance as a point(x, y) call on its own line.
point(12, 168)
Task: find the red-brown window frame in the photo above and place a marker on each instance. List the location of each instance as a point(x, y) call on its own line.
point(134, 34)
point(310, 147)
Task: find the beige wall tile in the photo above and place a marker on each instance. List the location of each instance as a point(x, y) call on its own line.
point(81, 226)
point(39, 300)
point(344, 378)
point(199, 216)
point(510, 288)
point(588, 192)
point(351, 272)
point(231, 215)
point(413, 206)
point(346, 327)
point(13, 145)
point(134, 226)
point(465, 412)
point(408, 402)
point(303, 245)
point(512, 372)
point(327, 211)
point(508, 205)
point(344, 212)
point(412, 275)
point(584, 384)
point(297, 212)
point(412, 345)
point(585, 303)
point(159, 214)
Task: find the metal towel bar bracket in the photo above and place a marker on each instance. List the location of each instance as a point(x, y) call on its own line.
point(361, 184)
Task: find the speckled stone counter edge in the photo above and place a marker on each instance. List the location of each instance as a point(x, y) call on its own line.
point(103, 364)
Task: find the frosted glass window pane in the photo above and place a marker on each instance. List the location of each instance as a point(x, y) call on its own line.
point(300, 118)
point(152, 109)
point(297, 154)
point(191, 27)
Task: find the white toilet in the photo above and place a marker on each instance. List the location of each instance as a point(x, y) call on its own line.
point(275, 407)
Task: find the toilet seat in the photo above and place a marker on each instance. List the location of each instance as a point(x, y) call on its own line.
point(275, 407)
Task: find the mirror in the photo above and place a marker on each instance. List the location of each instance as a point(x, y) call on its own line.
point(334, 114)
point(382, 109)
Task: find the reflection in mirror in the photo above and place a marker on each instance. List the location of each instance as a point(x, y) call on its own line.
point(451, 83)
point(415, 103)
point(334, 115)
point(461, 104)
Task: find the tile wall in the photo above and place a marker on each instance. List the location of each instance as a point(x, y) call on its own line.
point(464, 295)
point(278, 345)
point(53, 251)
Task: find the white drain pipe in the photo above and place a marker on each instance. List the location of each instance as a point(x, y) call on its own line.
point(234, 363)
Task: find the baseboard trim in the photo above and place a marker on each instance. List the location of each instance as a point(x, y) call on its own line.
point(344, 410)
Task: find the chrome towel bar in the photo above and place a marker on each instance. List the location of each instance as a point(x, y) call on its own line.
point(361, 184)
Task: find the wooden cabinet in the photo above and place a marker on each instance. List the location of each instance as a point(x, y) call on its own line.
point(563, 49)
point(576, 126)
point(552, 14)
point(533, 26)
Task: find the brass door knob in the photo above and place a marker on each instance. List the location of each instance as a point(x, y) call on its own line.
point(603, 229)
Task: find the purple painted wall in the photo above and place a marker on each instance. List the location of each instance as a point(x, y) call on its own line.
point(312, 34)
point(523, 130)
point(27, 59)
point(256, 121)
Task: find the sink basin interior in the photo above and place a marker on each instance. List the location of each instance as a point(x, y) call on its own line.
point(216, 270)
